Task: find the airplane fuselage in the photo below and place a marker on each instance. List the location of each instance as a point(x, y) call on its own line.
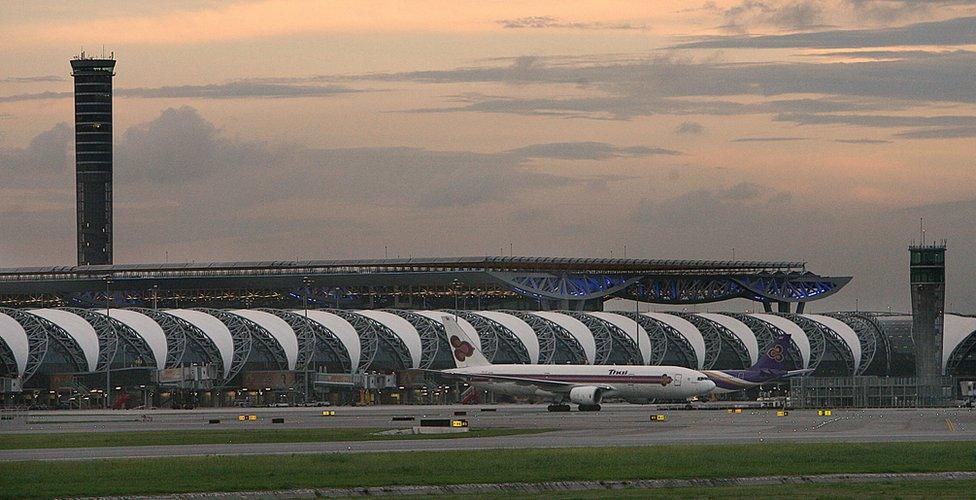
point(727, 381)
point(630, 382)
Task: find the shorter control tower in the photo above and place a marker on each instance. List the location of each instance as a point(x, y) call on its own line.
point(928, 310)
point(93, 157)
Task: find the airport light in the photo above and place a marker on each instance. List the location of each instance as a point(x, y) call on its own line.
point(108, 363)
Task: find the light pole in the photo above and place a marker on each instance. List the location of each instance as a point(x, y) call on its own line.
point(108, 362)
point(306, 283)
point(155, 296)
point(456, 286)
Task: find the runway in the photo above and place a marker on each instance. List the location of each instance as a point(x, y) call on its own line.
point(616, 425)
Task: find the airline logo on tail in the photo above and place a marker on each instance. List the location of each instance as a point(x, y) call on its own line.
point(462, 348)
point(776, 353)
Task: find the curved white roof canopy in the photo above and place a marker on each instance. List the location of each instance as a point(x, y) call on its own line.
point(844, 331)
point(402, 329)
point(576, 328)
point(520, 328)
point(799, 337)
point(686, 329)
point(15, 337)
point(466, 327)
point(147, 329)
point(631, 328)
point(955, 329)
point(278, 328)
point(343, 330)
point(78, 329)
point(740, 330)
point(214, 329)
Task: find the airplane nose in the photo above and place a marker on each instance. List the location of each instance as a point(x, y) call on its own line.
point(708, 385)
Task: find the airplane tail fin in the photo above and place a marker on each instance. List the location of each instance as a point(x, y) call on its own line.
point(774, 358)
point(463, 348)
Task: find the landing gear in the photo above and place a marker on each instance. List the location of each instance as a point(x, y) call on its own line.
point(589, 407)
point(559, 408)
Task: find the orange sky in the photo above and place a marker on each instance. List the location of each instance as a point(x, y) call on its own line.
point(572, 127)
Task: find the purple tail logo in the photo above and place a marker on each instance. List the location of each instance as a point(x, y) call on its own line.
point(776, 353)
point(462, 349)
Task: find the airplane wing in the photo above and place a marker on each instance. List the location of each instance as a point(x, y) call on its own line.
point(547, 385)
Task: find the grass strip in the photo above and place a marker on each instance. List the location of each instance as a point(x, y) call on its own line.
point(24, 441)
point(208, 474)
point(879, 490)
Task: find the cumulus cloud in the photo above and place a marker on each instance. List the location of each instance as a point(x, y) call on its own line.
point(47, 154)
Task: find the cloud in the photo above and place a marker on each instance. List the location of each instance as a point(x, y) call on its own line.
point(877, 120)
point(32, 79)
point(862, 141)
point(236, 90)
point(768, 139)
point(689, 128)
point(549, 22)
point(587, 151)
point(957, 31)
point(47, 155)
point(940, 133)
point(621, 90)
point(887, 54)
point(230, 90)
point(796, 15)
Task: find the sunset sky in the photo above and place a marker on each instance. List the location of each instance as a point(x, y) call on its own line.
point(256, 130)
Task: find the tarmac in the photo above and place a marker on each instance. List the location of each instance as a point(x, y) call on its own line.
point(615, 425)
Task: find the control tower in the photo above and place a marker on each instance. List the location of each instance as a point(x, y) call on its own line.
point(93, 157)
point(928, 307)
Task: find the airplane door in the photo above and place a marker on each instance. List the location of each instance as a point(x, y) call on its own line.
point(677, 380)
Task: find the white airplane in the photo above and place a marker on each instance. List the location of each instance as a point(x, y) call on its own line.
point(584, 385)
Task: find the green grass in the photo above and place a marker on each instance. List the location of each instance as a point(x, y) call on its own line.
point(23, 441)
point(202, 474)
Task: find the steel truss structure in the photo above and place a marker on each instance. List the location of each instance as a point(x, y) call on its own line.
point(729, 340)
point(108, 337)
point(113, 336)
point(179, 333)
point(717, 337)
point(872, 339)
point(261, 339)
point(544, 333)
point(663, 337)
point(820, 337)
point(565, 347)
point(38, 331)
point(243, 339)
point(375, 336)
point(549, 283)
point(613, 345)
point(313, 337)
point(494, 336)
point(433, 337)
point(765, 333)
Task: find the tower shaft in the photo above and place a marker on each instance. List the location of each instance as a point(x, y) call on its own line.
point(93, 158)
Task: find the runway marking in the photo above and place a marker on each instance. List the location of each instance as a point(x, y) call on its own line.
point(950, 425)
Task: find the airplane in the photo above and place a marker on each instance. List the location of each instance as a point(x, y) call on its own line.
point(769, 368)
point(583, 385)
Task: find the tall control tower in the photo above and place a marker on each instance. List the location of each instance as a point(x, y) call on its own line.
point(928, 308)
point(93, 157)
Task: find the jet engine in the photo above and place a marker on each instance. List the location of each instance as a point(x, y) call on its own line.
point(587, 395)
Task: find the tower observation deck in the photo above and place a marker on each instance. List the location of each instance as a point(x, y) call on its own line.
point(93, 157)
